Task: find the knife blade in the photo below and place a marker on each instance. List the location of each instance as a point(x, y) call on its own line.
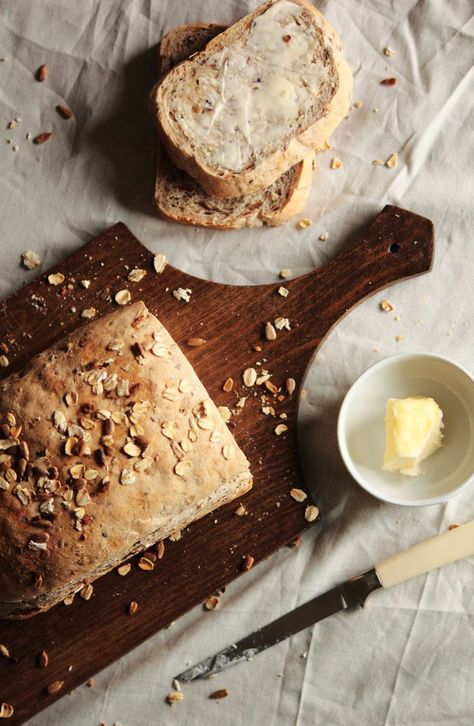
point(349, 594)
point(438, 551)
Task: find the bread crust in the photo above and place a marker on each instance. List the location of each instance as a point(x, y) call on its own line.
point(225, 183)
point(149, 458)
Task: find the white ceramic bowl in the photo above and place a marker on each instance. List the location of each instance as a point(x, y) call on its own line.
point(361, 429)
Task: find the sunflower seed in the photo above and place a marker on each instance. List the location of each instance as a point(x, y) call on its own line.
point(270, 332)
point(290, 385)
point(196, 342)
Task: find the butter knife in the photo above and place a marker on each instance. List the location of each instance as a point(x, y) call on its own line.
point(453, 545)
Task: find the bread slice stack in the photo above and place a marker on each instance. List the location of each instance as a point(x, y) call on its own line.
point(241, 111)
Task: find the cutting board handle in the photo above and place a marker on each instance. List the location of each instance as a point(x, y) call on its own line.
point(398, 244)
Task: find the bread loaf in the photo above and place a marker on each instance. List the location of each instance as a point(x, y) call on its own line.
point(109, 443)
point(239, 114)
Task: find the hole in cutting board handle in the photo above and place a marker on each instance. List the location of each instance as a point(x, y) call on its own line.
point(394, 248)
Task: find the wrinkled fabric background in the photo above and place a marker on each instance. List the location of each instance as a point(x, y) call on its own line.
point(408, 657)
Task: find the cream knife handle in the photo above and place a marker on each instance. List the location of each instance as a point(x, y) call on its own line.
point(455, 544)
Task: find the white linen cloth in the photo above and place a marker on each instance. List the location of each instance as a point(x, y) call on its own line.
point(408, 657)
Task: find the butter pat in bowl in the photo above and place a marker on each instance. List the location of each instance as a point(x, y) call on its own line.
point(406, 429)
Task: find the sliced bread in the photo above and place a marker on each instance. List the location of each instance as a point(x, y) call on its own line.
point(179, 198)
point(239, 114)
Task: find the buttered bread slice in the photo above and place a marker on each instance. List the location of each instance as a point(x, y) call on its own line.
point(179, 197)
point(239, 114)
point(109, 442)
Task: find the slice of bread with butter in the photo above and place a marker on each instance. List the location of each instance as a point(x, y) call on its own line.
point(261, 95)
point(179, 198)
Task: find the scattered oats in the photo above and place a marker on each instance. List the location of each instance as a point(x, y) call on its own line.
point(298, 495)
point(56, 278)
point(303, 394)
point(263, 378)
point(336, 163)
point(30, 259)
point(386, 306)
point(176, 536)
point(15, 147)
point(324, 236)
point(283, 291)
point(388, 51)
point(123, 387)
point(12, 125)
point(8, 443)
point(124, 569)
point(132, 449)
point(159, 263)
point(127, 477)
point(225, 413)
point(392, 161)
point(123, 297)
point(69, 599)
point(305, 223)
point(215, 437)
point(196, 342)
point(86, 592)
point(280, 429)
point(146, 564)
point(285, 273)
point(228, 385)
point(86, 284)
point(4, 362)
point(358, 104)
point(311, 513)
point(182, 468)
point(241, 402)
point(89, 313)
point(399, 338)
point(6, 710)
point(174, 697)
point(132, 608)
point(211, 603)
point(227, 452)
point(4, 485)
point(290, 385)
point(43, 659)
point(90, 682)
point(240, 511)
point(257, 348)
point(284, 416)
point(378, 162)
point(268, 410)
point(136, 275)
point(270, 332)
point(282, 323)
point(249, 377)
point(182, 293)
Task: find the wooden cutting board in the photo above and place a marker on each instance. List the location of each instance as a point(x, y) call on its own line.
point(397, 245)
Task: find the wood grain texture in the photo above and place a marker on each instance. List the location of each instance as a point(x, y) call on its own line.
point(397, 245)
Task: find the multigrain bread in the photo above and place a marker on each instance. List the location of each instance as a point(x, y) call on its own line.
point(109, 443)
point(179, 198)
point(240, 113)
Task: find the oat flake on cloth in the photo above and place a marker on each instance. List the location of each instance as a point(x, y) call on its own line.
point(408, 657)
